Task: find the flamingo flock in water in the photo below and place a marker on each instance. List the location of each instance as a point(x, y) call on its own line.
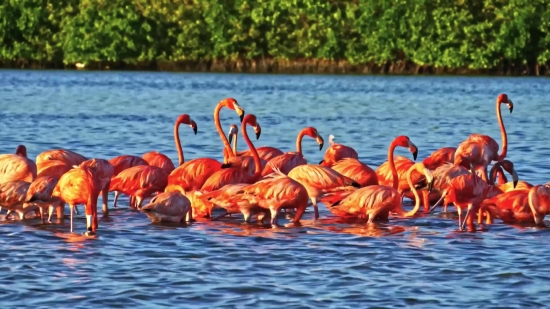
point(262, 182)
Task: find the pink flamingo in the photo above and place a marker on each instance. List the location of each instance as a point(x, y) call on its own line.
point(337, 152)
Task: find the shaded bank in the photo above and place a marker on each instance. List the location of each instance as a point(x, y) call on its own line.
point(287, 67)
point(343, 36)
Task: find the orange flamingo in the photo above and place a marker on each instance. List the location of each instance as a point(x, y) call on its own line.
point(223, 198)
point(155, 158)
point(274, 193)
point(192, 175)
point(169, 207)
point(40, 193)
point(503, 183)
point(140, 181)
point(337, 152)
point(122, 163)
point(356, 170)
point(80, 185)
point(71, 158)
point(287, 161)
point(246, 162)
point(52, 168)
point(104, 171)
point(519, 206)
point(319, 180)
point(480, 149)
point(402, 165)
point(266, 153)
point(376, 202)
point(233, 131)
point(12, 197)
point(467, 191)
point(440, 157)
point(17, 166)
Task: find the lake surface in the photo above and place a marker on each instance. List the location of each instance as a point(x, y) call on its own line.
point(421, 262)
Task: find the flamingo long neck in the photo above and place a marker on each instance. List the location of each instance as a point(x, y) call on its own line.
point(178, 143)
point(502, 133)
point(218, 124)
point(496, 170)
point(299, 141)
point(258, 170)
point(235, 144)
point(394, 174)
point(415, 192)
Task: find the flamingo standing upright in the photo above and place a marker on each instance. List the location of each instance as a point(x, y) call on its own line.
point(377, 202)
point(336, 152)
point(81, 185)
point(192, 175)
point(287, 161)
point(104, 171)
point(246, 162)
point(479, 149)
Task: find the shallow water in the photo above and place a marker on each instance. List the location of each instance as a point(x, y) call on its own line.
point(225, 264)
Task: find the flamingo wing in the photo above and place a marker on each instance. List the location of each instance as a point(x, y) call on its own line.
point(69, 157)
point(155, 158)
point(285, 163)
point(14, 167)
point(356, 170)
point(192, 175)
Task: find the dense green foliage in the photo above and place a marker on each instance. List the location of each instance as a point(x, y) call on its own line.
point(473, 34)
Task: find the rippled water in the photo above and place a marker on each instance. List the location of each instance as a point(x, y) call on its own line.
point(422, 261)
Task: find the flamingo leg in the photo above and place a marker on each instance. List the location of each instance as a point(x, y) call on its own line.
point(42, 215)
point(426, 200)
point(315, 207)
point(437, 203)
point(116, 198)
point(459, 218)
point(137, 202)
point(8, 214)
point(274, 214)
point(75, 209)
point(246, 215)
point(60, 211)
point(189, 216)
point(71, 207)
point(105, 199)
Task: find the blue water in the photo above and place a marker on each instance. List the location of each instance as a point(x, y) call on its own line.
point(420, 262)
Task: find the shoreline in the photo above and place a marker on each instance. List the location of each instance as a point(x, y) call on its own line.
point(280, 66)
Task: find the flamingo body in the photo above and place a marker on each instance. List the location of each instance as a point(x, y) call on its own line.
point(14, 167)
point(155, 158)
point(168, 207)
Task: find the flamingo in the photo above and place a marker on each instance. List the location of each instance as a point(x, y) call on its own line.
point(223, 198)
point(40, 193)
point(155, 158)
point(266, 153)
point(377, 201)
point(319, 180)
point(274, 193)
point(81, 185)
point(52, 168)
point(246, 162)
point(140, 181)
point(287, 161)
point(519, 206)
point(467, 191)
point(192, 175)
point(503, 183)
point(337, 152)
point(356, 170)
point(480, 149)
point(70, 157)
point(233, 131)
point(17, 166)
point(440, 157)
point(122, 163)
point(169, 207)
point(12, 197)
point(104, 172)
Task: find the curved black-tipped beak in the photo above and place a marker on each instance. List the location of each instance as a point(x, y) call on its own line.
point(321, 147)
point(242, 117)
point(430, 186)
point(321, 162)
point(511, 108)
point(195, 130)
point(258, 134)
point(230, 138)
point(415, 154)
point(515, 183)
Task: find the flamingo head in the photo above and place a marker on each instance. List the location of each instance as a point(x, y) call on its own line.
point(508, 166)
point(234, 105)
point(503, 99)
point(251, 120)
point(404, 141)
point(186, 119)
point(233, 130)
point(311, 131)
point(21, 151)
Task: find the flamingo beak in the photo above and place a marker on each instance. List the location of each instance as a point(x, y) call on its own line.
point(515, 178)
point(194, 127)
point(258, 131)
point(510, 105)
point(230, 137)
point(320, 141)
point(413, 149)
point(321, 162)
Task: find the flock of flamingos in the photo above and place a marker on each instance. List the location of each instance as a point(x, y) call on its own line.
point(260, 182)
